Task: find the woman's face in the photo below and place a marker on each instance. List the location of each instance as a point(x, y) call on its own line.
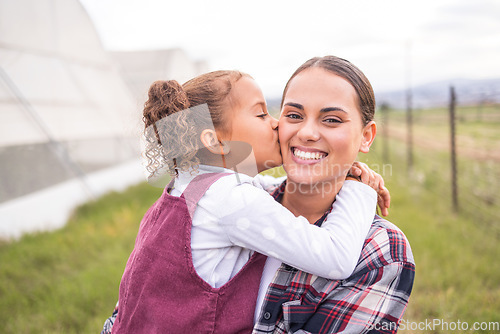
point(320, 128)
point(251, 123)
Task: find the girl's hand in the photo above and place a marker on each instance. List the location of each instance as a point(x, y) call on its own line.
point(361, 172)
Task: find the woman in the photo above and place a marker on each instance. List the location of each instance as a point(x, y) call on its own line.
point(327, 109)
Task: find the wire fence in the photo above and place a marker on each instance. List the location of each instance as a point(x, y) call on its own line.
point(452, 151)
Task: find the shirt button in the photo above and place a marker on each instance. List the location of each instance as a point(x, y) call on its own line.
point(267, 315)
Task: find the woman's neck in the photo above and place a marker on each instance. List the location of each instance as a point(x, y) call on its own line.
point(310, 200)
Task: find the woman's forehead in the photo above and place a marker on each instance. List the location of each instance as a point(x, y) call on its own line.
point(316, 85)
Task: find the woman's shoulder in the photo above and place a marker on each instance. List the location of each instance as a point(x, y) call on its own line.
point(385, 244)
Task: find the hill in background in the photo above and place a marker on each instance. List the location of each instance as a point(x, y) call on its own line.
point(434, 94)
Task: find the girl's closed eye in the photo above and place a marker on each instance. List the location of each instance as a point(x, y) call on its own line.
point(263, 115)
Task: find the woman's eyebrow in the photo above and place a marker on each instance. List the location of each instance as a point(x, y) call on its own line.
point(295, 105)
point(327, 109)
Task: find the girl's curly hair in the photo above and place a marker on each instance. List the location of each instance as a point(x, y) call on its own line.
point(172, 144)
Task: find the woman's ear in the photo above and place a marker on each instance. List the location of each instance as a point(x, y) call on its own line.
point(210, 140)
point(369, 132)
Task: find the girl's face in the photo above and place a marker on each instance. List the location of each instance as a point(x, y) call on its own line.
point(320, 128)
point(251, 123)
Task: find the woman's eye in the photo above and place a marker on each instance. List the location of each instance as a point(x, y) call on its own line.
point(333, 120)
point(263, 115)
point(293, 116)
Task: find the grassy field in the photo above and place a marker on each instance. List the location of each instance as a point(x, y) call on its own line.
point(67, 281)
point(478, 155)
point(476, 134)
point(456, 254)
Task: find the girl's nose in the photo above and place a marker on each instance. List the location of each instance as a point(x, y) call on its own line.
point(274, 123)
point(308, 132)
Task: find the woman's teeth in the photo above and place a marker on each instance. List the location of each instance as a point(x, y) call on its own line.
point(308, 155)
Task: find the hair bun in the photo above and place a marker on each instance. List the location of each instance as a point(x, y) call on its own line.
point(168, 94)
point(165, 98)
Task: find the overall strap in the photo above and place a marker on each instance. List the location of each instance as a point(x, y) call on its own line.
point(170, 185)
point(197, 188)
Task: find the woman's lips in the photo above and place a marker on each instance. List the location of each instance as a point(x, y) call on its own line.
point(307, 155)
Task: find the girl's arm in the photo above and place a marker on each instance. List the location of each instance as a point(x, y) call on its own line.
point(252, 219)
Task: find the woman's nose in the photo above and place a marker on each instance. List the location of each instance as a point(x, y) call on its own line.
point(308, 132)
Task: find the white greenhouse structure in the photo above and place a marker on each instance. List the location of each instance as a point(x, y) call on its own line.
point(69, 122)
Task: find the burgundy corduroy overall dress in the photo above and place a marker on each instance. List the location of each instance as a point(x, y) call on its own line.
point(161, 292)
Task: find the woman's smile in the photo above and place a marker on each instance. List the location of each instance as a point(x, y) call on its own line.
point(307, 155)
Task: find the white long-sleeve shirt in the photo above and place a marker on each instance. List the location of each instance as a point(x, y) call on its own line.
point(236, 216)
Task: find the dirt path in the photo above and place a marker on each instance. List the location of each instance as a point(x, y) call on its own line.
point(466, 146)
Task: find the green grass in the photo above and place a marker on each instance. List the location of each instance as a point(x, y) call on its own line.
point(456, 254)
point(67, 281)
point(478, 157)
point(473, 135)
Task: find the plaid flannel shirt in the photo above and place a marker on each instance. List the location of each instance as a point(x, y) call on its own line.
point(372, 300)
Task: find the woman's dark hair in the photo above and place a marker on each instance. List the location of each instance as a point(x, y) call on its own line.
point(346, 70)
point(173, 144)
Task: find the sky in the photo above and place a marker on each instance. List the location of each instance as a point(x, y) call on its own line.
point(396, 43)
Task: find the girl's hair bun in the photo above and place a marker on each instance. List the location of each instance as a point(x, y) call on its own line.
point(165, 98)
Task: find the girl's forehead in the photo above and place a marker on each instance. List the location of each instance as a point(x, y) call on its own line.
point(246, 91)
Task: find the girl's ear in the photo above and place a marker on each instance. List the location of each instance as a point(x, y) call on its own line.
point(369, 132)
point(210, 140)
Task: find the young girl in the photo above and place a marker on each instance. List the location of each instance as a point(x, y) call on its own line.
point(194, 269)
